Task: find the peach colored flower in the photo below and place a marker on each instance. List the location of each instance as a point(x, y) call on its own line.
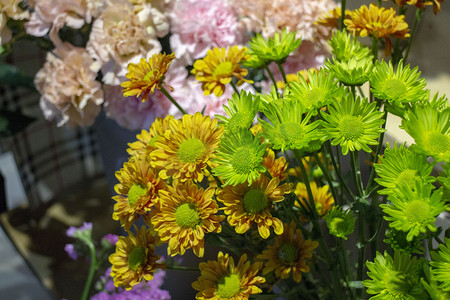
point(69, 92)
point(9, 9)
point(153, 15)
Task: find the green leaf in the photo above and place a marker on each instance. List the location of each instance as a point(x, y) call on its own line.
point(13, 76)
point(13, 122)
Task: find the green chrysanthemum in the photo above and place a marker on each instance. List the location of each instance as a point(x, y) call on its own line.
point(241, 111)
point(255, 62)
point(431, 285)
point(272, 96)
point(414, 210)
point(401, 166)
point(275, 48)
point(440, 266)
point(318, 91)
point(394, 278)
point(397, 240)
point(340, 223)
point(430, 129)
point(352, 71)
point(344, 47)
point(239, 157)
point(288, 130)
point(353, 124)
point(402, 85)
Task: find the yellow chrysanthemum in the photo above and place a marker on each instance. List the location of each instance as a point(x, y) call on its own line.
point(289, 253)
point(332, 17)
point(322, 198)
point(246, 205)
point(146, 139)
point(134, 259)
point(221, 279)
point(184, 150)
point(421, 4)
point(145, 76)
point(276, 167)
point(137, 191)
point(185, 214)
point(296, 77)
point(219, 67)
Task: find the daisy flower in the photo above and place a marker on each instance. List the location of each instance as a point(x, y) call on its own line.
point(146, 76)
point(440, 265)
point(402, 85)
point(137, 190)
point(414, 209)
point(290, 253)
point(344, 47)
point(353, 124)
point(184, 150)
point(219, 67)
point(430, 129)
point(394, 278)
point(401, 166)
point(238, 158)
point(223, 280)
point(340, 222)
point(246, 205)
point(276, 166)
point(134, 259)
point(184, 215)
point(352, 72)
point(322, 198)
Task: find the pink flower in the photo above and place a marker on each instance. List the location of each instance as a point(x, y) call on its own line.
point(199, 25)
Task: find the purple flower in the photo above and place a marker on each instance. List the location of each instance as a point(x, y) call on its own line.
point(87, 226)
point(70, 249)
point(111, 238)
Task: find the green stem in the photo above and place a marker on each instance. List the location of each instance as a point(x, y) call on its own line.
point(164, 91)
point(343, 6)
point(273, 80)
point(305, 178)
point(234, 88)
point(375, 49)
point(356, 172)
point(361, 250)
point(181, 268)
point(92, 269)
point(344, 265)
point(280, 66)
point(338, 172)
point(327, 176)
point(219, 184)
point(361, 92)
point(413, 32)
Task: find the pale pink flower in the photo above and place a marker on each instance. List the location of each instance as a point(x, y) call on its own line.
point(69, 92)
point(119, 38)
point(9, 9)
point(199, 25)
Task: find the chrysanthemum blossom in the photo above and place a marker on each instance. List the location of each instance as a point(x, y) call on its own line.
point(248, 205)
point(134, 259)
point(69, 92)
point(184, 150)
point(290, 253)
point(10, 10)
point(440, 265)
point(146, 76)
point(153, 15)
point(322, 198)
point(223, 280)
point(184, 216)
point(275, 166)
point(340, 222)
point(219, 67)
point(200, 25)
point(276, 48)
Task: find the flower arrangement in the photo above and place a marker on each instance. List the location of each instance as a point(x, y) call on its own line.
point(292, 180)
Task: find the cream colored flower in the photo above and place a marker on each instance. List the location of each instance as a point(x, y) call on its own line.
point(153, 16)
point(9, 9)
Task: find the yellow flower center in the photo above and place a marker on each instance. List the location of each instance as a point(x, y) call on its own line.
point(135, 192)
point(394, 88)
point(238, 120)
point(351, 127)
point(437, 142)
point(224, 68)
point(406, 177)
point(255, 201)
point(187, 216)
point(190, 150)
point(228, 286)
point(244, 160)
point(137, 258)
point(417, 211)
point(291, 132)
point(288, 253)
point(314, 96)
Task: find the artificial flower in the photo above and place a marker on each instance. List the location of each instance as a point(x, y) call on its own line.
point(134, 259)
point(247, 205)
point(184, 150)
point(440, 265)
point(290, 253)
point(321, 196)
point(340, 223)
point(219, 67)
point(185, 214)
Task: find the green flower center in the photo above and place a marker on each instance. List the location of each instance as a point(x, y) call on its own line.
point(135, 192)
point(338, 225)
point(238, 120)
point(288, 253)
point(136, 258)
point(314, 96)
point(417, 211)
point(153, 140)
point(255, 201)
point(187, 216)
point(406, 177)
point(228, 286)
point(394, 89)
point(190, 150)
point(399, 285)
point(244, 160)
point(437, 142)
point(224, 68)
point(351, 127)
point(150, 76)
point(291, 132)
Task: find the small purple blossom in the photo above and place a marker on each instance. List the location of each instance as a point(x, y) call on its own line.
point(87, 226)
point(111, 238)
point(70, 249)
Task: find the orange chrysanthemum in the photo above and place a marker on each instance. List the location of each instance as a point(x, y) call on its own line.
point(184, 150)
point(332, 17)
point(322, 198)
point(185, 214)
point(134, 259)
point(146, 76)
point(276, 167)
point(219, 67)
point(290, 253)
point(221, 279)
point(137, 191)
point(246, 205)
point(422, 4)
